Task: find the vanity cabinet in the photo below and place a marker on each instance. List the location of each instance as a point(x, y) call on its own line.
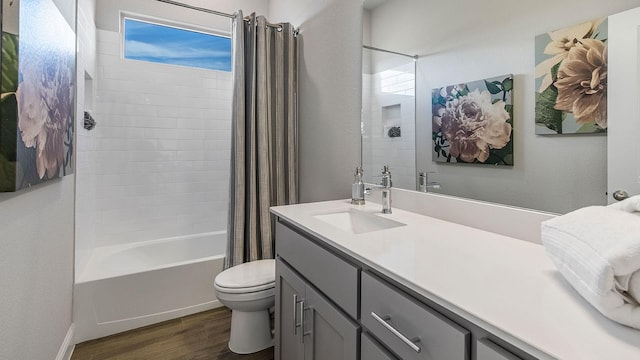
point(487, 350)
point(331, 306)
point(371, 350)
point(407, 327)
point(308, 324)
point(291, 290)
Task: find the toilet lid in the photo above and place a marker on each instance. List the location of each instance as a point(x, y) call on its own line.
point(249, 276)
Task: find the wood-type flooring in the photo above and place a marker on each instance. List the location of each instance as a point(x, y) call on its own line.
point(201, 336)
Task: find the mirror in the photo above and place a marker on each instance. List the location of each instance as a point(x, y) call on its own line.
point(388, 116)
point(557, 173)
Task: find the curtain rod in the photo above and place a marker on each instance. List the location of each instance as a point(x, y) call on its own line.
point(414, 57)
point(230, 16)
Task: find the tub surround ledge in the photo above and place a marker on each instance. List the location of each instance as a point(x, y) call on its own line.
point(503, 284)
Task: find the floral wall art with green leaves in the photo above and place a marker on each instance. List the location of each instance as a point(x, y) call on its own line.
point(37, 103)
point(473, 122)
point(571, 79)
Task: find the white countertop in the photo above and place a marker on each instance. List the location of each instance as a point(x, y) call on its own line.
point(504, 285)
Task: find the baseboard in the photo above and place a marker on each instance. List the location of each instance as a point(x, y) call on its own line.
point(66, 349)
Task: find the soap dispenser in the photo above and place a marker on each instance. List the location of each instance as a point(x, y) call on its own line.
point(357, 188)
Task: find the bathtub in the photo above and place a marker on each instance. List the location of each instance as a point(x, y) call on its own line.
point(127, 286)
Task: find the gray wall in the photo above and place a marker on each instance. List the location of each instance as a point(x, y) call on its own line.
point(462, 41)
point(36, 264)
point(330, 92)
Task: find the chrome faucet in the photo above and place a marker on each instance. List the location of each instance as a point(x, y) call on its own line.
point(386, 190)
point(423, 183)
point(357, 188)
point(385, 187)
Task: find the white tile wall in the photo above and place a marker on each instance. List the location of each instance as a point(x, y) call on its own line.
point(160, 152)
point(387, 88)
point(366, 127)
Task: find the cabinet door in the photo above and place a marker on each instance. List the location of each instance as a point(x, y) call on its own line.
point(329, 335)
point(370, 350)
point(487, 350)
point(290, 291)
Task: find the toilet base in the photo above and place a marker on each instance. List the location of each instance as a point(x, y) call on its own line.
point(250, 331)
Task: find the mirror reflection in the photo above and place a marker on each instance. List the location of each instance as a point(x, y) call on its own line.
point(558, 173)
point(388, 116)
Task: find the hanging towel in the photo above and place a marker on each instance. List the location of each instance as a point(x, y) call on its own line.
point(597, 250)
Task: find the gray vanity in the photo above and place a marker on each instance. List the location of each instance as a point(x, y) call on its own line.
point(332, 306)
point(353, 283)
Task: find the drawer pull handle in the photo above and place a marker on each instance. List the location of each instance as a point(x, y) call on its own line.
point(302, 333)
point(384, 321)
point(295, 313)
point(296, 325)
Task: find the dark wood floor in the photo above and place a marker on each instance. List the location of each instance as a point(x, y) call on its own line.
point(202, 336)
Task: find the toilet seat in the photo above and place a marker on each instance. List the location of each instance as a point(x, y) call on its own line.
point(249, 277)
point(244, 290)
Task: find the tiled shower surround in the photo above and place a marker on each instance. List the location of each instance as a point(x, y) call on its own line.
point(157, 163)
point(389, 100)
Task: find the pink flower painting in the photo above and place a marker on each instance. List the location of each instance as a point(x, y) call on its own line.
point(37, 99)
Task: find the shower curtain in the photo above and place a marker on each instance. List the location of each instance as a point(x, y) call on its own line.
point(263, 146)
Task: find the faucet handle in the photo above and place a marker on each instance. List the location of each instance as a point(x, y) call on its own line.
point(386, 177)
point(423, 181)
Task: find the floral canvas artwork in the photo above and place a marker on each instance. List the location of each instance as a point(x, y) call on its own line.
point(473, 122)
point(571, 79)
point(37, 102)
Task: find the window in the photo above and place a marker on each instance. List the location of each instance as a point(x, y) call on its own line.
point(171, 45)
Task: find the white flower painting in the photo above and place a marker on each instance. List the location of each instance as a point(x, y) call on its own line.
point(472, 122)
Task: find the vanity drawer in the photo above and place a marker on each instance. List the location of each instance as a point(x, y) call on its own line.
point(488, 350)
point(409, 328)
point(334, 277)
point(370, 350)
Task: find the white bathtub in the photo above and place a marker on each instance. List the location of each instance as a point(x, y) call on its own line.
point(127, 286)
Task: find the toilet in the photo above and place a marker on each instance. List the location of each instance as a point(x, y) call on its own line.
point(249, 291)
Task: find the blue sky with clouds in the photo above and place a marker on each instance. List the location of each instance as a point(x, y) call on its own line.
point(168, 45)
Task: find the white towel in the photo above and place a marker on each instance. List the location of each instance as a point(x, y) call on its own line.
point(630, 205)
point(597, 249)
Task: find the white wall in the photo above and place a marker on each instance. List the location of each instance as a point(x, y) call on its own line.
point(36, 264)
point(36, 270)
point(330, 92)
point(460, 41)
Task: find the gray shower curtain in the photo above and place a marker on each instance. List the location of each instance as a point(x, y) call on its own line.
point(263, 146)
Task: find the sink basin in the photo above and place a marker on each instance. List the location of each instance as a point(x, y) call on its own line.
point(357, 222)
